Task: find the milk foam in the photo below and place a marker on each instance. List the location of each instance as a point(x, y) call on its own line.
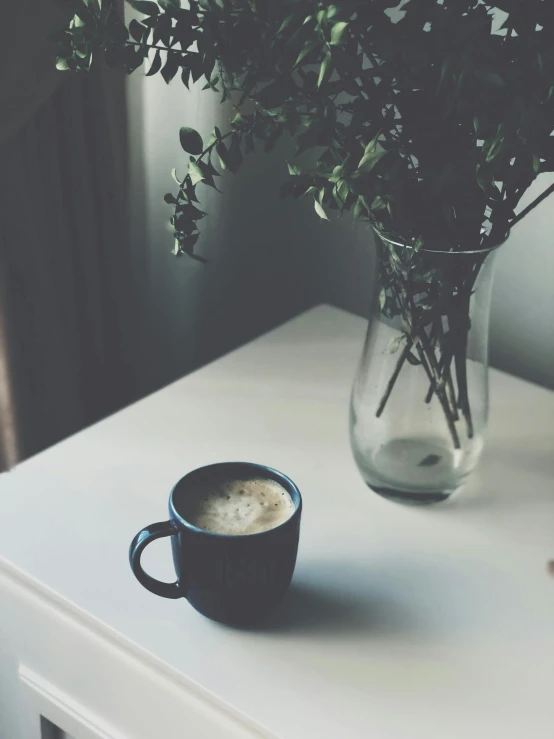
point(237, 507)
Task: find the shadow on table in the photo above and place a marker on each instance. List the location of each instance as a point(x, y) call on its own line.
point(329, 604)
point(418, 598)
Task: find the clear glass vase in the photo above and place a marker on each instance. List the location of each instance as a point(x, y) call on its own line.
point(420, 398)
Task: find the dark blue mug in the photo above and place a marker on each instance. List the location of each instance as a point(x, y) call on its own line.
point(234, 579)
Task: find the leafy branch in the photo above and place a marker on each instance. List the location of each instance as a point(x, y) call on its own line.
point(426, 120)
point(202, 170)
point(429, 123)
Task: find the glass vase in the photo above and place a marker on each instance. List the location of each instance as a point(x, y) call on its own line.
point(420, 398)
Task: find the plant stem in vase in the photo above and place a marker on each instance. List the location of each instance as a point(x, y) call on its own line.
point(420, 398)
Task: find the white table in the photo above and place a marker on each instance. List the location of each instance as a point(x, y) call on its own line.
point(401, 623)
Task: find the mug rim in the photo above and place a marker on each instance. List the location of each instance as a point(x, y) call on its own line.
point(280, 477)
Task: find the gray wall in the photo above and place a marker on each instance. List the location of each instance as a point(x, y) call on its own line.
point(522, 321)
point(270, 260)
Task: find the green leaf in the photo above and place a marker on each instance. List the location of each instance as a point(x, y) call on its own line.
point(338, 33)
point(174, 175)
point(223, 155)
point(132, 58)
point(325, 70)
point(211, 140)
point(536, 164)
point(378, 203)
point(337, 173)
point(162, 30)
point(195, 65)
point(307, 49)
point(412, 360)
point(480, 178)
point(211, 83)
point(190, 212)
point(190, 242)
point(286, 23)
point(191, 141)
point(156, 65)
point(495, 148)
point(238, 122)
point(370, 159)
point(144, 6)
point(84, 14)
point(196, 173)
point(61, 64)
point(358, 209)
point(185, 76)
point(94, 6)
point(170, 4)
point(170, 199)
point(171, 67)
point(319, 210)
point(136, 30)
point(343, 190)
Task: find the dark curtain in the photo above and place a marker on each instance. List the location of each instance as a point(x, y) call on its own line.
point(67, 298)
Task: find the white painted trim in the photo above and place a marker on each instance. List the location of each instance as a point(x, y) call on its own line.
point(64, 712)
point(121, 647)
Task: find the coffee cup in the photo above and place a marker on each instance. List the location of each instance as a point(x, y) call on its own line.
point(234, 529)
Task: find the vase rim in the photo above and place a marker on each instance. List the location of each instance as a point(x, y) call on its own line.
point(395, 242)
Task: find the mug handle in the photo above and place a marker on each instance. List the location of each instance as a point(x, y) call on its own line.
point(141, 540)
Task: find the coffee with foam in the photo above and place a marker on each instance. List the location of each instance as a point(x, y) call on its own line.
point(237, 507)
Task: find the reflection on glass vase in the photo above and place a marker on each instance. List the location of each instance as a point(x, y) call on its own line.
point(420, 397)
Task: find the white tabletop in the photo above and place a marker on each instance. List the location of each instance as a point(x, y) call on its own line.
point(401, 623)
